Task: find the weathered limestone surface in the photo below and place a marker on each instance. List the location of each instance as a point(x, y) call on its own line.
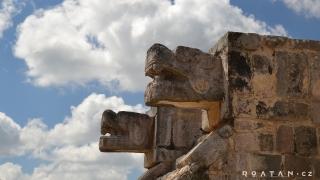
point(163, 134)
point(254, 110)
point(129, 132)
point(176, 130)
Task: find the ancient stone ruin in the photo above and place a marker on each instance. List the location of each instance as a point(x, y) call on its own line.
point(247, 109)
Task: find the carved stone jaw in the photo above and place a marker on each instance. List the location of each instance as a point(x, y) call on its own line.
point(183, 75)
point(110, 125)
point(129, 132)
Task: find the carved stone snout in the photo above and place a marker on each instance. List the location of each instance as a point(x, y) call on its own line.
point(182, 75)
point(127, 132)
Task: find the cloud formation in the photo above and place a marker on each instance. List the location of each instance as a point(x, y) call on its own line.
point(9, 8)
point(309, 8)
point(61, 46)
point(71, 147)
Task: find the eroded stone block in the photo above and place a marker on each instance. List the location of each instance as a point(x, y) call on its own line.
point(177, 127)
point(306, 44)
point(292, 74)
point(262, 64)
point(223, 161)
point(243, 125)
point(163, 154)
point(239, 71)
point(245, 143)
point(285, 139)
point(290, 110)
point(237, 164)
point(265, 162)
point(156, 171)
point(242, 107)
point(163, 128)
point(207, 152)
point(248, 41)
point(316, 167)
point(263, 85)
point(297, 164)
point(315, 76)
point(315, 112)
point(274, 41)
point(266, 142)
point(306, 140)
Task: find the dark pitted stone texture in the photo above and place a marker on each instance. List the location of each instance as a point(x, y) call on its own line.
point(290, 110)
point(240, 72)
point(266, 142)
point(291, 74)
point(248, 41)
point(262, 64)
point(306, 140)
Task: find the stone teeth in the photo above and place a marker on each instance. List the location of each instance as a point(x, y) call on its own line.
point(156, 79)
point(157, 68)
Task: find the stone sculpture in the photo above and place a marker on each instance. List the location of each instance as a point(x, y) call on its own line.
point(129, 132)
point(163, 134)
point(256, 100)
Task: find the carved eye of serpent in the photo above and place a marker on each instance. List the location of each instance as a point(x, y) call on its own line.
point(200, 86)
point(138, 136)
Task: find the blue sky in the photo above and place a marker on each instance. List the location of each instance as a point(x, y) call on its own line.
point(62, 62)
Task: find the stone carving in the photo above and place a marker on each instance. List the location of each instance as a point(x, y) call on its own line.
point(163, 134)
point(129, 132)
point(188, 75)
point(254, 110)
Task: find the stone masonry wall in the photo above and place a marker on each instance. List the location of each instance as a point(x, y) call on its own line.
point(272, 106)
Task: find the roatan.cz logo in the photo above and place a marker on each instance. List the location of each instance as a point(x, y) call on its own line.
point(273, 173)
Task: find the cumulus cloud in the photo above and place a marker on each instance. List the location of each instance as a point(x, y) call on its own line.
point(9, 136)
point(309, 8)
point(10, 171)
point(8, 9)
point(70, 147)
point(84, 40)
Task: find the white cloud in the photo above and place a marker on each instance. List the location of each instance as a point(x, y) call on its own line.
point(71, 147)
point(10, 171)
point(83, 40)
point(9, 136)
point(310, 8)
point(8, 9)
